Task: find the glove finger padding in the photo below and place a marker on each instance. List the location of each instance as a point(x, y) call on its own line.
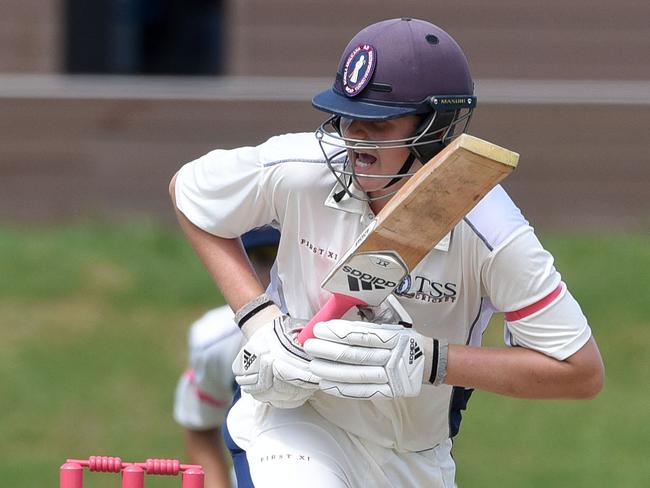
point(297, 376)
point(348, 373)
point(284, 395)
point(343, 353)
point(246, 380)
point(363, 360)
point(358, 391)
point(359, 333)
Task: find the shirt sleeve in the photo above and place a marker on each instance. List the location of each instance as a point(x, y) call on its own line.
point(520, 278)
point(224, 193)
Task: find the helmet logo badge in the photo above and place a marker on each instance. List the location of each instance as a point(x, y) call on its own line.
point(358, 69)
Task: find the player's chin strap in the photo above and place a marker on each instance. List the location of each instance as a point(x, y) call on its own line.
point(339, 195)
point(406, 167)
point(432, 148)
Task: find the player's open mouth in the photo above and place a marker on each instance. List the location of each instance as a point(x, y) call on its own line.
point(364, 160)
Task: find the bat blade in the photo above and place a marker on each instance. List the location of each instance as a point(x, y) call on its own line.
point(412, 223)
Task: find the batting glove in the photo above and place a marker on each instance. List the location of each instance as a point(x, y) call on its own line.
point(364, 360)
point(272, 366)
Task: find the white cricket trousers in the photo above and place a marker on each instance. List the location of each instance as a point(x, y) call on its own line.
point(298, 448)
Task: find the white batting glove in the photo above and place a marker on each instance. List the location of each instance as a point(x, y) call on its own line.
point(272, 366)
point(365, 360)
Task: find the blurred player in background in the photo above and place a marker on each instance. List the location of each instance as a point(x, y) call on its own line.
point(205, 390)
point(374, 401)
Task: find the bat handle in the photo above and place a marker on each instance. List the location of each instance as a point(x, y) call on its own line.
point(335, 308)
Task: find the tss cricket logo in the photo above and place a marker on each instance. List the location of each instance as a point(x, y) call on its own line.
point(427, 289)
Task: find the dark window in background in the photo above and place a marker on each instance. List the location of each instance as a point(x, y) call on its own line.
point(165, 37)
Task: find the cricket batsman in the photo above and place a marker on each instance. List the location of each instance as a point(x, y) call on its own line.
point(375, 398)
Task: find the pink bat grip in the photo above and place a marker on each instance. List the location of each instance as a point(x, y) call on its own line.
point(335, 308)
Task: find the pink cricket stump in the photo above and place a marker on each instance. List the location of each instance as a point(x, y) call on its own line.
point(72, 472)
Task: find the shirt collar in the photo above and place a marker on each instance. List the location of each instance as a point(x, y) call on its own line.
point(348, 203)
point(361, 207)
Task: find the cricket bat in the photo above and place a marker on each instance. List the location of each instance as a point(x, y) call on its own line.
point(412, 223)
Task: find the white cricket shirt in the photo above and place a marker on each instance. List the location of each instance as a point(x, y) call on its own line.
point(205, 390)
point(490, 262)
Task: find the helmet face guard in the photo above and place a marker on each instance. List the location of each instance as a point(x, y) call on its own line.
point(434, 133)
point(393, 69)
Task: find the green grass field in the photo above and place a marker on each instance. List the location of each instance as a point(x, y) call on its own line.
point(93, 320)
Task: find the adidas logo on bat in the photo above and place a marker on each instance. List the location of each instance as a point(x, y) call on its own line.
point(414, 351)
point(249, 357)
point(358, 280)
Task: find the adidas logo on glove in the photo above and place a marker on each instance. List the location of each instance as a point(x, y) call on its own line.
point(248, 359)
point(414, 351)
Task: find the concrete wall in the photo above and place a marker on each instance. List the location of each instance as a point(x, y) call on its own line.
point(31, 36)
point(503, 39)
point(114, 158)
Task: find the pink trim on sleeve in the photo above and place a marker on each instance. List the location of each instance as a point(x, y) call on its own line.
point(535, 307)
point(201, 394)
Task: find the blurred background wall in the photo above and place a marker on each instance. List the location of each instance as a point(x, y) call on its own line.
point(31, 32)
point(100, 102)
